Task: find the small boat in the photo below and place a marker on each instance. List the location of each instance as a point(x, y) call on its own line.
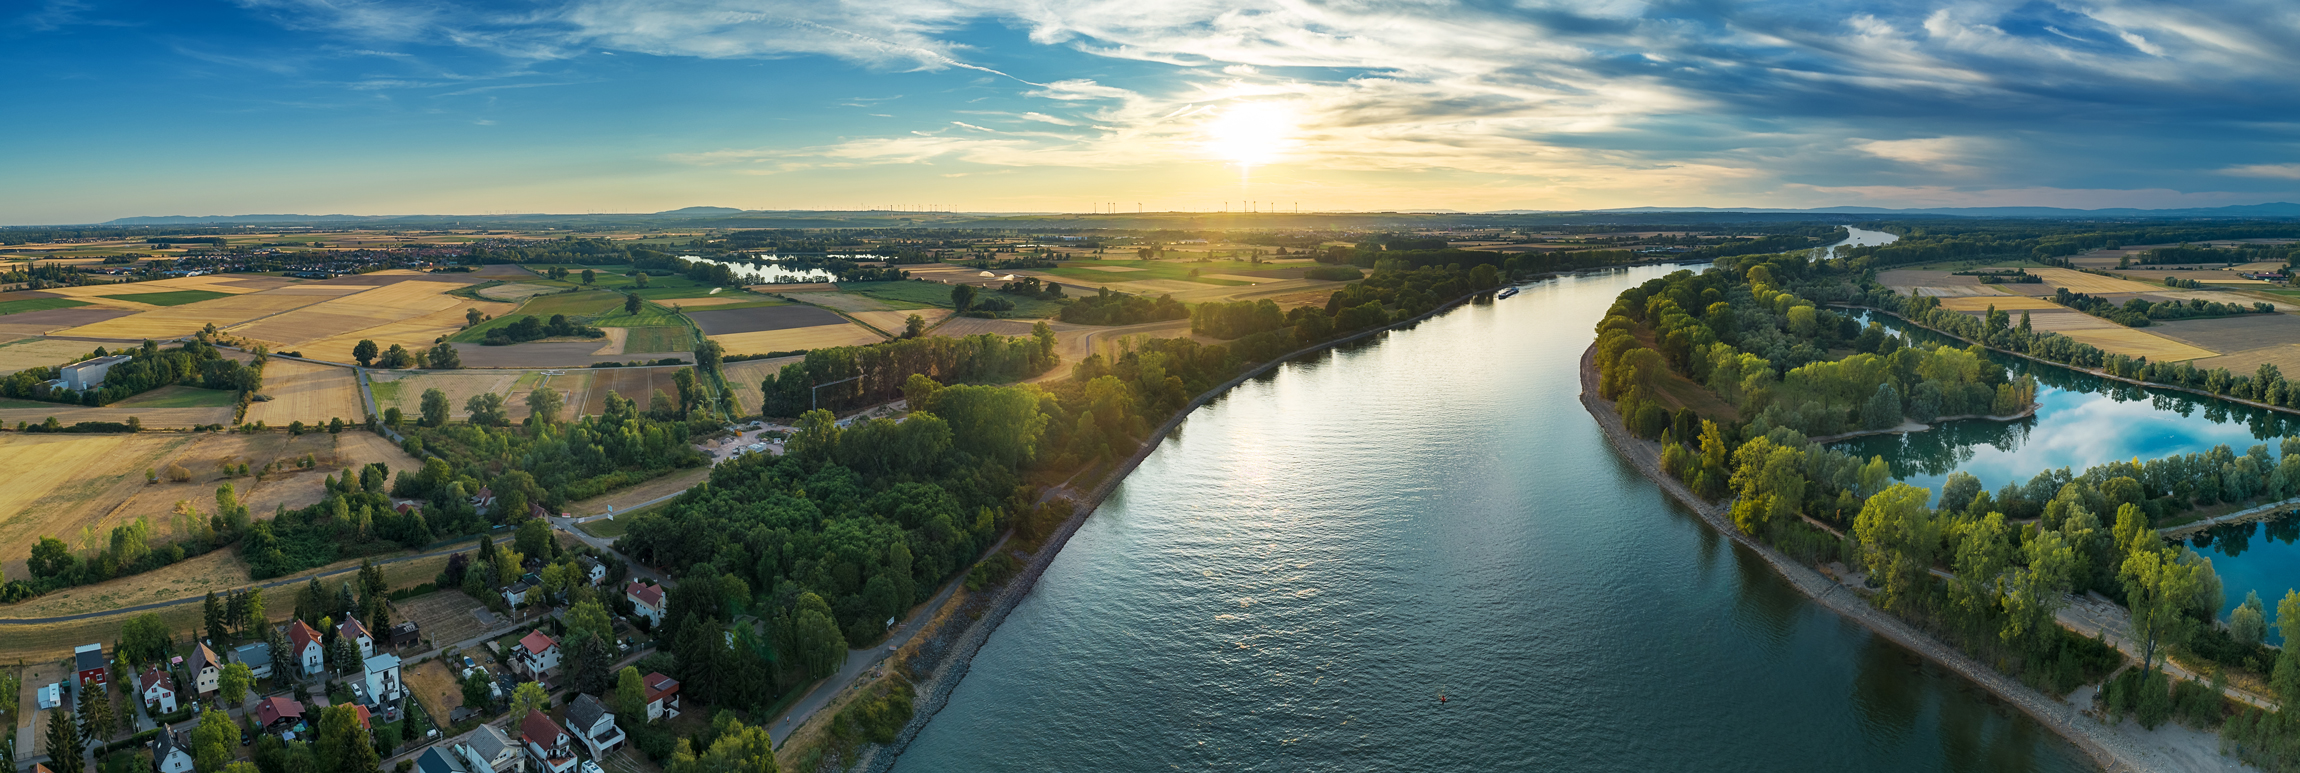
point(1506, 293)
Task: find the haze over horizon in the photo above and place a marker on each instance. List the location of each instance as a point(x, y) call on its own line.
point(374, 107)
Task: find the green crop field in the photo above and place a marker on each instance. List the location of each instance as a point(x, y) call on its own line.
point(577, 306)
point(38, 304)
point(182, 397)
point(1083, 271)
point(650, 315)
point(386, 392)
point(172, 297)
point(659, 340)
point(612, 278)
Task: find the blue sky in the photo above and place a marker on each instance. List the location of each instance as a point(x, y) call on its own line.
point(392, 106)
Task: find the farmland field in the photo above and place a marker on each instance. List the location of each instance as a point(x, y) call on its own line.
point(60, 483)
point(2006, 303)
point(2135, 343)
point(717, 322)
point(744, 377)
point(307, 392)
point(179, 396)
point(179, 321)
point(404, 389)
point(2229, 334)
point(795, 339)
point(2078, 281)
point(171, 298)
point(37, 304)
point(634, 384)
point(352, 313)
point(413, 333)
point(893, 321)
point(575, 305)
point(912, 293)
point(658, 339)
point(41, 353)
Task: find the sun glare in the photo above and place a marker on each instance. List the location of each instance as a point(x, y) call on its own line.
point(1250, 133)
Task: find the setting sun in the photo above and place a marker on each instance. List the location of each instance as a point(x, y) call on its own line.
point(1250, 133)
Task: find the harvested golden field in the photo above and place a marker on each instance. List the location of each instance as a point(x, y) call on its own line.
point(27, 353)
point(893, 321)
point(404, 389)
point(2134, 343)
point(307, 392)
point(2078, 281)
point(153, 418)
point(746, 376)
point(351, 313)
point(2001, 302)
point(851, 302)
point(2286, 358)
point(793, 339)
point(413, 333)
point(179, 321)
point(214, 283)
point(61, 483)
point(2067, 320)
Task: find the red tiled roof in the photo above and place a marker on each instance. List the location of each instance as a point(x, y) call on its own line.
point(352, 628)
point(274, 708)
point(535, 643)
point(650, 595)
point(659, 685)
point(361, 712)
point(150, 676)
point(538, 729)
point(301, 636)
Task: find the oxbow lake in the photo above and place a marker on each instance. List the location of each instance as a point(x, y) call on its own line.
point(2086, 420)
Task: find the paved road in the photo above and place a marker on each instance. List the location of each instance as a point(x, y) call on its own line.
point(860, 661)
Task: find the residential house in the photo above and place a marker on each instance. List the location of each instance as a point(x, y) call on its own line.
point(157, 690)
point(552, 749)
point(535, 510)
point(257, 657)
point(406, 634)
point(662, 696)
point(365, 718)
point(381, 687)
point(646, 601)
point(536, 654)
point(589, 720)
point(304, 648)
point(88, 664)
point(488, 749)
point(207, 671)
point(51, 696)
point(278, 710)
point(517, 593)
point(483, 500)
point(353, 630)
point(170, 754)
point(594, 572)
point(438, 760)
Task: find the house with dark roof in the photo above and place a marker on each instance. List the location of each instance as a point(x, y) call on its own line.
point(352, 629)
point(589, 720)
point(551, 748)
point(88, 664)
point(304, 648)
point(516, 594)
point(257, 656)
point(406, 634)
point(207, 670)
point(662, 696)
point(536, 654)
point(438, 760)
point(170, 754)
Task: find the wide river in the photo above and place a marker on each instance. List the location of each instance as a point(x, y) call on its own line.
point(1295, 579)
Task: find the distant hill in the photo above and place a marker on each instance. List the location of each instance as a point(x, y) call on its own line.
point(729, 217)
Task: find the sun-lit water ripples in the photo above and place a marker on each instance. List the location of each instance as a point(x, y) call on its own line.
point(1294, 579)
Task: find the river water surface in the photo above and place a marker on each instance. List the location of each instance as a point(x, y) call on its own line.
point(1294, 579)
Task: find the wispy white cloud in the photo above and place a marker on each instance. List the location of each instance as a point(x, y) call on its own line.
point(2271, 171)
